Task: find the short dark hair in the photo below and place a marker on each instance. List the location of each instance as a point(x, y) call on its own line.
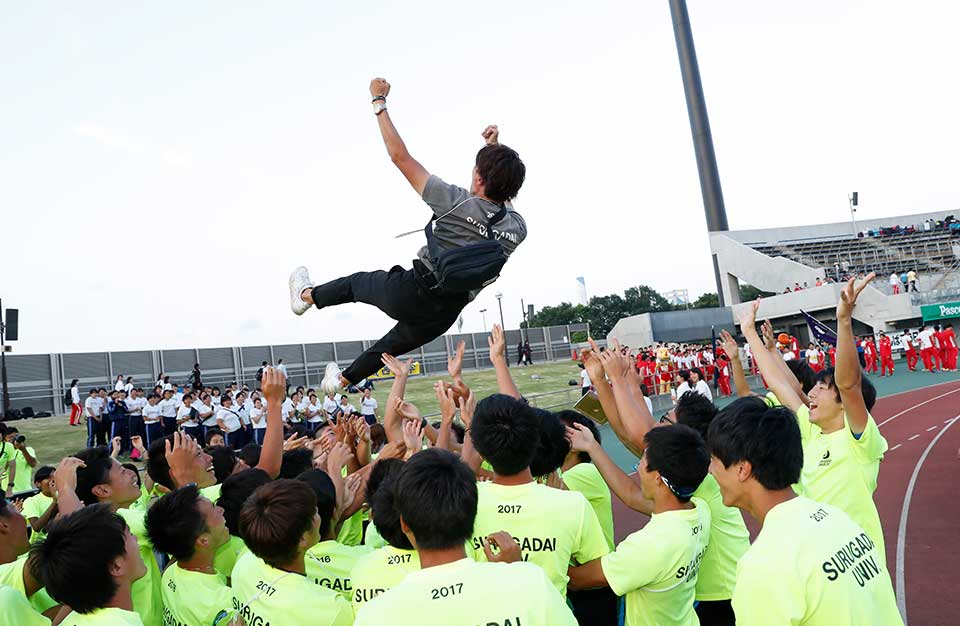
point(234, 493)
point(867, 390)
point(157, 467)
point(211, 433)
point(97, 472)
point(803, 372)
point(767, 437)
point(437, 498)
point(174, 522)
point(250, 454)
point(505, 431)
point(275, 517)
point(295, 462)
point(326, 493)
point(553, 447)
point(696, 411)
point(74, 560)
point(680, 455)
point(43, 472)
point(381, 495)
point(502, 172)
point(570, 418)
point(224, 460)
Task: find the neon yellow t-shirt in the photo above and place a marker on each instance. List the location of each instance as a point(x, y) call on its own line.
point(351, 532)
point(145, 591)
point(11, 575)
point(553, 527)
point(466, 593)
point(729, 540)
point(372, 538)
point(812, 565)
point(143, 502)
point(36, 506)
point(194, 598)
point(103, 617)
point(382, 569)
point(212, 493)
point(16, 610)
point(586, 478)
point(23, 481)
point(226, 555)
point(266, 595)
point(329, 564)
point(656, 567)
point(841, 470)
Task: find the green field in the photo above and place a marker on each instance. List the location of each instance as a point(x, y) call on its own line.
point(53, 437)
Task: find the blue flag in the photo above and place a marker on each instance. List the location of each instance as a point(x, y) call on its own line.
point(821, 332)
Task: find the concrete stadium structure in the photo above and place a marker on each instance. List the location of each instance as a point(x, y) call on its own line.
point(775, 259)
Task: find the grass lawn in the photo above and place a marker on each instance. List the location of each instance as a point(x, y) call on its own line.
point(53, 437)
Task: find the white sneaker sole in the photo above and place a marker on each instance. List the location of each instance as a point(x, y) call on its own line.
point(299, 280)
point(331, 379)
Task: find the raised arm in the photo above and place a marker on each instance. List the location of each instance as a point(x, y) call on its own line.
point(766, 360)
point(847, 375)
point(411, 169)
point(274, 386)
point(730, 347)
point(629, 492)
point(631, 420)
point(391, 417)
point(498, 356)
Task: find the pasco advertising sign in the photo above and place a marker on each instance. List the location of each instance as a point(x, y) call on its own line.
point(934, 312)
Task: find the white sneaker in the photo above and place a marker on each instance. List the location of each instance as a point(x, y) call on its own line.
point(331, 379)
point(299, 280)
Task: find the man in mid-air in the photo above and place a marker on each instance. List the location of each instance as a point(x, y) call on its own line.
point(469, 238)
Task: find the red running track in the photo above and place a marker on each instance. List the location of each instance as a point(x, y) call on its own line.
point(918, 508)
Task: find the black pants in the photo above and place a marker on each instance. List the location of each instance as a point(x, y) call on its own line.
point(716, 613)
point(421, 316)
point(594, 606)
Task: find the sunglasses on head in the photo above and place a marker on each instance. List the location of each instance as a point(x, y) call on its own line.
point(665, 419)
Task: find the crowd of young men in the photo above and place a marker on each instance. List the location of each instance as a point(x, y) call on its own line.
point(500, 513)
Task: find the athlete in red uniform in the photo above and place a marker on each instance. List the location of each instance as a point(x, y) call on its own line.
point(911, 351)
point(870, 356)
point(886, 355)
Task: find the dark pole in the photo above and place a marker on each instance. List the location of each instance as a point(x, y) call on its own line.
point(699, 125)
point(713, 351)
point(503, 327)
point(3, 367)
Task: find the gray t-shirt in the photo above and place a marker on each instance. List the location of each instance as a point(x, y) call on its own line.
point(467, 224)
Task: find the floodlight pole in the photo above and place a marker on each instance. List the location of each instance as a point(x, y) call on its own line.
point(700, 128)
point(3, 367)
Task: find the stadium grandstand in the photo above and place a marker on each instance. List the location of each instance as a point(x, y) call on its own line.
point(803, 264)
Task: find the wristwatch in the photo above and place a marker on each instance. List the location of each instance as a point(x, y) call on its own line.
point(379, 107)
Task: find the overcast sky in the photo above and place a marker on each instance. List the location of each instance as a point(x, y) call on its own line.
point(164, 167)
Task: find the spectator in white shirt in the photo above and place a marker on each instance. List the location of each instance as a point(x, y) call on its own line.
point(699, 384)
point(585, 382)
point(188, 417)
point(683, 384)
point(287, 411)
point(168, 411)
point(135, 404)
point(205, 414)
point(368, 407)
point(128, 386)
point(93, 410)
point(118, 386)
point(314, 412)
point(258, 417)
point(283, 370)
point(229, 422)
point(167, 384)
point(152, 419)
point(215, 398)
point(345, 408)
point(331, 404)
point(76, 410)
